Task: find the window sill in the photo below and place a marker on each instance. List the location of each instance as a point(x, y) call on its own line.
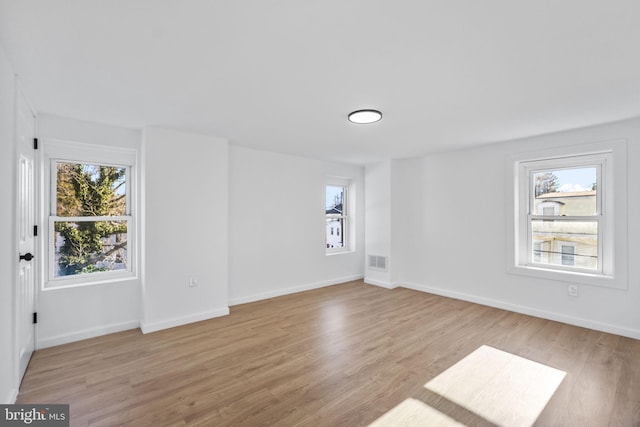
point(339, 252)
point(601, 280)
point(77, 283)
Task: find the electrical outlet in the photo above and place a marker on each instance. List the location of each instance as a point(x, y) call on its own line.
point(573, 290)
point(193, 281)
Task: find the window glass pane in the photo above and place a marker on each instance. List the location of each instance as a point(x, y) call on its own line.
point(90, 190)
point(558, 242)
point(565, 192)
point(89, 247)
point(335, 233)
point(334, 200)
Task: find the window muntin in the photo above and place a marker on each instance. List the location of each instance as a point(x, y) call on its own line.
point(336, 217)
point(90, 224)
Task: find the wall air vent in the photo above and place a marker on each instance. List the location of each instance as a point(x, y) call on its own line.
point(377, 262)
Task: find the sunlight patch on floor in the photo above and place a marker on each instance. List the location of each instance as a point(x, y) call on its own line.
point(414, 413)
point(500, 387)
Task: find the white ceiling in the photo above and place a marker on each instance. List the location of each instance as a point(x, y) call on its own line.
point(282, 75)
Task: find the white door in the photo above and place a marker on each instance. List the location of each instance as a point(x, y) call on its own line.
point(26, 279)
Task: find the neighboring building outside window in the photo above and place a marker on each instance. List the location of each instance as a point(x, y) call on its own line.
point(537, 251)
point(569, 218)
point(568, 254)
point(337, 215)
point(565, 212)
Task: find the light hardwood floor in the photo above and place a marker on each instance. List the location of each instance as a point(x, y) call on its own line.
point(337, 356)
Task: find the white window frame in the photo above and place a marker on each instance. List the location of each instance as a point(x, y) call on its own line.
point(610, 157)
point(527, 170)
point(347, 215)
point(55, 151)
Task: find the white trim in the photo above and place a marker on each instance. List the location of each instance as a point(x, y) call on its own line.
point(293, 290)
point(81, 152)
point(11, 397)
point(93, 279)
point(612, 228)
point(338, 181)
point(55, 150)
point(543, 314)
point(347, 251)
point(380, 283)
point(86, 334)
point(147, 328)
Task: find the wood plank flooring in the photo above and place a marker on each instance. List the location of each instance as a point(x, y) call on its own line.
point(337, 356)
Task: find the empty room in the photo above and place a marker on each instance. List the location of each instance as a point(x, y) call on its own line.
point(339, 213)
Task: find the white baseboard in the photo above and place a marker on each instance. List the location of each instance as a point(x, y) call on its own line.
point(549, 315)
point(182, 320)
point(11, 397)
point(380, 283)
point(85, 334)
point(293, 290)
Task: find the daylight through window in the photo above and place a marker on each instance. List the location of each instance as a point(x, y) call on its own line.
point(336, 217)
point(90, 221)
point(564, 217)
point(564, 214)
point(567, 220)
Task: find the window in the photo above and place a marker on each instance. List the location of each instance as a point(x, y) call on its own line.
point(565, 212)
point(90, 217)
point(336, 216)
point(567, 225)
point(90, 224)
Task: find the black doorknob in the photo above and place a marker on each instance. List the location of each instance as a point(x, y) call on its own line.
point(27, 257)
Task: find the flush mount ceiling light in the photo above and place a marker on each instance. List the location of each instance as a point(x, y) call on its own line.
point(365, 116)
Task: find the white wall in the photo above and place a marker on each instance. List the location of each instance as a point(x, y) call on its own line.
point(460, 235)
point(378, 234)
point(8, 375)
point(185, 228)
point(406, 210)
point(70, 314)
point(276, 240)
point(392, 208)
